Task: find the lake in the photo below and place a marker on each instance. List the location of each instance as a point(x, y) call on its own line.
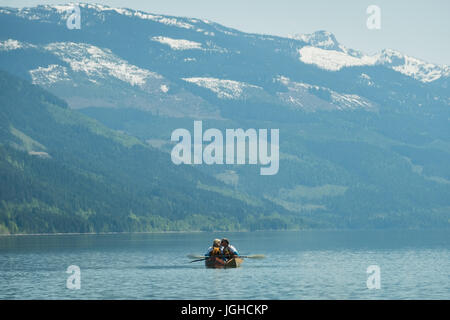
point(298, 265)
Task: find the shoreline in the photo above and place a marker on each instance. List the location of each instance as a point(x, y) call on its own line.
point(143, 232)
point(215, 231)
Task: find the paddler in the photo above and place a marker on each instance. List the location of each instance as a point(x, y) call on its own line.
point(228, 250)
point(215, 252)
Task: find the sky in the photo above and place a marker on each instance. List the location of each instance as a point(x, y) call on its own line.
point(417, 28)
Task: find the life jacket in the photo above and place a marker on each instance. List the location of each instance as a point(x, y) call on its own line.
point(227, 252)
point(216, 252)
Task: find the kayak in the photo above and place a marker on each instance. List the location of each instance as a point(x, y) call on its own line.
point(219, 263)
point(234, 263)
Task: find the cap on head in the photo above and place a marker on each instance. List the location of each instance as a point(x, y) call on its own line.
point(216, 243)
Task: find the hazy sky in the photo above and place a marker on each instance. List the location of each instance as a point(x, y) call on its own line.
point(417, 28)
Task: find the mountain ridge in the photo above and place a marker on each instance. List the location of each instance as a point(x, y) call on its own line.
point(416, 68)
point(364, 146)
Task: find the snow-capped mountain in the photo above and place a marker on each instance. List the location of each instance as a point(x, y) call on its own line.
point(413, 67)
point(169, 65)
point(326, 52)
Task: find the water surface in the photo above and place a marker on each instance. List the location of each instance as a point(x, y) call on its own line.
point(298, 265)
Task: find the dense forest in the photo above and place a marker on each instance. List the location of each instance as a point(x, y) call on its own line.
point(64, 172)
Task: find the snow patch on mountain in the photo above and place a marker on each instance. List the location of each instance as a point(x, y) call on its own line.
point(349, 101)
point(207, 33)
point(326, 40)
point(49, 75)
point(333, 60)
point(413, 67)
point(11, 44)
point(319, 39)
point(182, 44)
point(169, 21)
point(178, 44)
point(96, 62)
point(142, 15)
point(225, 89)
point(63, 8)
point(311, 97)
point(366, 79)
point(46, 13)
point(164, 88)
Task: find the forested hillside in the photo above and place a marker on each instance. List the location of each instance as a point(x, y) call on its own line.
point(64, 172)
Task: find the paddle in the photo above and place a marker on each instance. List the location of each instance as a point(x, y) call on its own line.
point(199, 259)
point(254, 256)
point(194, 256)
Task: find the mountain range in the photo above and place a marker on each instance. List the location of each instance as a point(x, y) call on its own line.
point(364, 140)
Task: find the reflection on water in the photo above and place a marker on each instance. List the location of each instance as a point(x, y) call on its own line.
point(171, 267)
point(298, 265)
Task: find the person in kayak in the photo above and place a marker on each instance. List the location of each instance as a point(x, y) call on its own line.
point(215, 253)
point(228, 250)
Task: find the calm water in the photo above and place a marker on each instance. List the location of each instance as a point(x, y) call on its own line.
point(298, 265)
